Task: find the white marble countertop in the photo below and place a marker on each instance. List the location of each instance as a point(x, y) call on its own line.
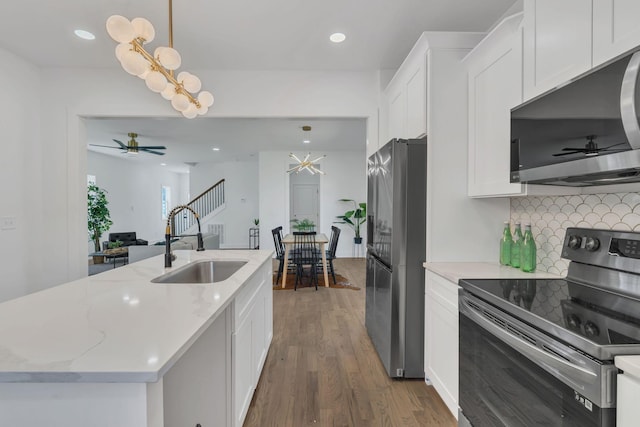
point(629, 364)
point(454, 271)
point(116, 326)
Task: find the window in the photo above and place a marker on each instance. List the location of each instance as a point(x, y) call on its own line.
point(166, 201)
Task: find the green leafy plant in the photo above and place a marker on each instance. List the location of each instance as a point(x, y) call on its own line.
point(116, 244)
point(302, 225)
point(355, 217)
point(98, 219)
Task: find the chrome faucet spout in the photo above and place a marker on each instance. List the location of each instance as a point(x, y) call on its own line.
point(168, 255)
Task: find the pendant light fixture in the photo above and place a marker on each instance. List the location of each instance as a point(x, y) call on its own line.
point(157, 70)
point(306, 164)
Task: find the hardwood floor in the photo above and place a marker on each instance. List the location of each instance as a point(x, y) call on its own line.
point(322, 369)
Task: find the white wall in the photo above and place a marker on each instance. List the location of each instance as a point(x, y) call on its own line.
point(241, 197)
point(44, 110)
point(21, 177)
point(345, 179)
point(133, 193)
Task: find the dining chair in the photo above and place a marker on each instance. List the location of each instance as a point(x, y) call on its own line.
point(331, 251)
point(305, 254)
point(277, 241)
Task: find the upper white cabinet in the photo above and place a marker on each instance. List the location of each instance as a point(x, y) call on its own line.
point(406, 97)
point(557, 42)
point(495, 86)
point(615, 28)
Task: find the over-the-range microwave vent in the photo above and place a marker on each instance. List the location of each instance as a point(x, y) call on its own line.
point(584, 133)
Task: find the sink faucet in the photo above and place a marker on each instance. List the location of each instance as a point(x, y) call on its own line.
point(168, 256)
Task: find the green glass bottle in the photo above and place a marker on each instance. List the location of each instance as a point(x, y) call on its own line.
point(516, 245)
point(505, 245)
point(528, 251)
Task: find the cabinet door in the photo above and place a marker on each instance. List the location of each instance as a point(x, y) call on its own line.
point(495, 86)
point(259, 350)
point(441, 338)
point(557, 43)
point(397, 100)
point(627, 411)
point(242, 370)
point(416, 88)
point(615, 28)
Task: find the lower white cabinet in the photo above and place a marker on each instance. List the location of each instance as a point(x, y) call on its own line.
point(253, 330)
point(628, 390)
point(441, 338)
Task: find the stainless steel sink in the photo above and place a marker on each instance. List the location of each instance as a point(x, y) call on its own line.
point(205, 271)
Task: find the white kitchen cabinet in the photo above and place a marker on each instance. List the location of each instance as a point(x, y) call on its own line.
point(441, 338)
point(627, 411)
point(250, 340)
point(615, 28)
point(557, 43)
point(495, 86)
point(406, 96)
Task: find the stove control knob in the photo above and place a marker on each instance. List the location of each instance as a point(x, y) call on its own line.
point(592, 244)
point(591, 330)
point(574, 242)
point(573, 321)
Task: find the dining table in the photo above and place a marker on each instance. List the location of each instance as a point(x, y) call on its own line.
point(321, 240)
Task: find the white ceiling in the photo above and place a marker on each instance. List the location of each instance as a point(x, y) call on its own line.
point(243, 34)
point(238, 34)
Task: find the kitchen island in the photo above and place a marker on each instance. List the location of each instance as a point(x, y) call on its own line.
point(115, 349)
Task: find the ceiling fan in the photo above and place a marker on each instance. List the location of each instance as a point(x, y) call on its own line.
point(132, 146)
point(590, 148)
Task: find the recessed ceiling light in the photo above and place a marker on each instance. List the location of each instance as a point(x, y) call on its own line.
point(84, 34)
point(215, 149)
point(337, 37)
point(163, 164)
point(306, 141)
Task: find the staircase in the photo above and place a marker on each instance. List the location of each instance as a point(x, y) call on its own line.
point(206, 203)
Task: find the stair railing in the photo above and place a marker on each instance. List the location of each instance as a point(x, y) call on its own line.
point(207, 202)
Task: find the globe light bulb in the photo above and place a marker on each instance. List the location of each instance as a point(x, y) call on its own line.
point(192, 83)
point(190, 112)
point(169, 92)
point(205, 98)
point(180, 102)
point(203, 110)
point(168, 57)
point(143, 29)
point(121, 49)
point(156, 81)
point(120, 29)
point(133, 63)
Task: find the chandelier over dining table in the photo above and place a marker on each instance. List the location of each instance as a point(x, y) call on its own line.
point(157, 70)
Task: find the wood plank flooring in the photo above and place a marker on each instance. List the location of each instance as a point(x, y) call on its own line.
point(322, 369)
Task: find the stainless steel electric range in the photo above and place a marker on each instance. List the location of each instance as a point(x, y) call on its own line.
point(540, 351)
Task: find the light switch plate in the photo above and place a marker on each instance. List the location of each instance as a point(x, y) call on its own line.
point(8, 223)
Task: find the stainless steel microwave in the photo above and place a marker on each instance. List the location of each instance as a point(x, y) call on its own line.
point(583, 133)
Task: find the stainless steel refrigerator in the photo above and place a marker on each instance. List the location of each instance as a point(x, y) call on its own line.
point(396, 248)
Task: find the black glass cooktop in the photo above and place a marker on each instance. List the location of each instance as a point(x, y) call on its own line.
point(602, 317)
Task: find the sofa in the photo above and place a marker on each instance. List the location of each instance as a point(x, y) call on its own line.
point(139, 252)
point(128, 238)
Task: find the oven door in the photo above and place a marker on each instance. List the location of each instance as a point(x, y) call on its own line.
point(513, 375)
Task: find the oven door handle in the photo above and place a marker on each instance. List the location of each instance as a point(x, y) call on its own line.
point(576, 375)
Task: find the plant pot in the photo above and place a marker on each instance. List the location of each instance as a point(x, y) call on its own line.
point(357, 240)
point(98, 259)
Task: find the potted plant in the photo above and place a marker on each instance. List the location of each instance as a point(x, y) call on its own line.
point(98, 219)
point(303, 225)
point(354, 218)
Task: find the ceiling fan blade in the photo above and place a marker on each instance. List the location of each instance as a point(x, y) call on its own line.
point(123, 146)
point(568, 153)
point(614, 145)
point(146, 150)
point(574, 149)
point(105, 146)
point(614, 150)
point(153, 147)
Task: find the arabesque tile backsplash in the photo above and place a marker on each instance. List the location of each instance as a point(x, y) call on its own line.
point(550, 216)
